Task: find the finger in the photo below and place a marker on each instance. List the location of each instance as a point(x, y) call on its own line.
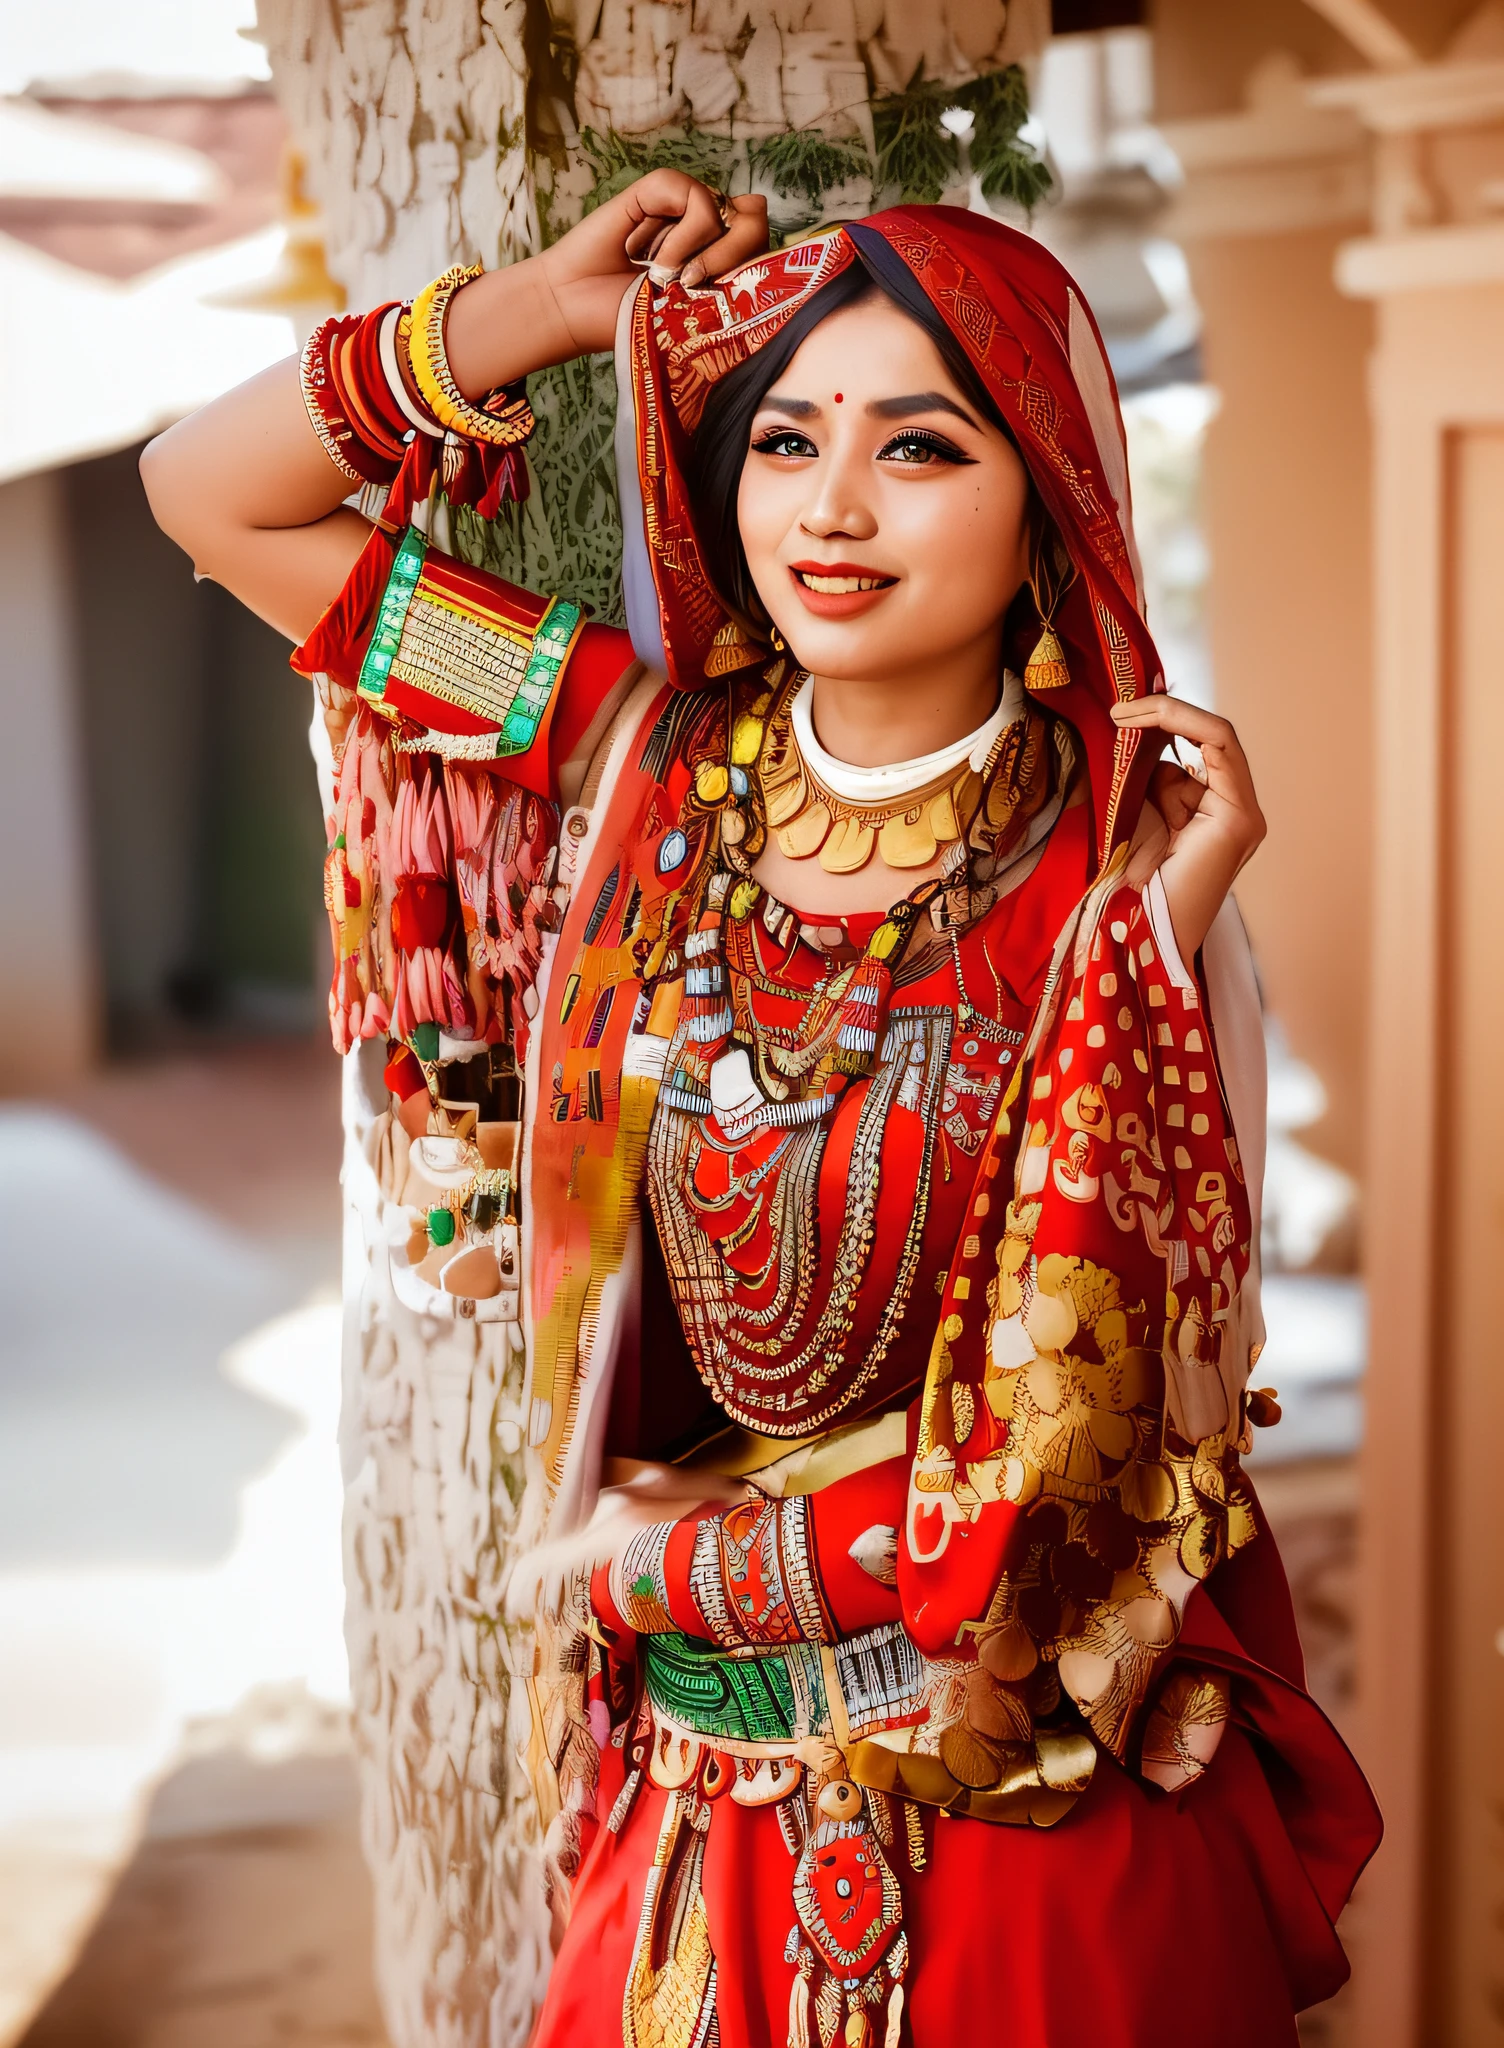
point(651, 208)
point(698, 226)
point(1229, 782)
point(646, 236)
point(1178, 796)
point(659, 195)
point(745, 238)
point(1176, 716)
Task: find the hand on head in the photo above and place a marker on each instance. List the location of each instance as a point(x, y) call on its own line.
point(668, 221)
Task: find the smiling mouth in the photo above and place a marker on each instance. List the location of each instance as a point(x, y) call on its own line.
point(842, 586)
point(839, 580)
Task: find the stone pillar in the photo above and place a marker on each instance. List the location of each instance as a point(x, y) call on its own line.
point(1270, 189)
point(1431, 1599)
point(49, 998)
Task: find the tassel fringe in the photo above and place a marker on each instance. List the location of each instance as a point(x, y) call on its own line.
point(799, 2012)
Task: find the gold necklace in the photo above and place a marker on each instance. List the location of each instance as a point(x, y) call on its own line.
point(809, 821)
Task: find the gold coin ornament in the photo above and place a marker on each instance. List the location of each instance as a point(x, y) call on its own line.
point(809, 820)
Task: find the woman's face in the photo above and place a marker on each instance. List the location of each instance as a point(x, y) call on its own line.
point(882, 516)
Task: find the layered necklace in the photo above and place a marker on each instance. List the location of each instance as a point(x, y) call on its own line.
point(997, 792)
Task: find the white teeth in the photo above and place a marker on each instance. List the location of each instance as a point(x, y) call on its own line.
point(839, 586)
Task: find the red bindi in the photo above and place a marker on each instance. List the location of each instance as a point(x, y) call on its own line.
point(838, 398)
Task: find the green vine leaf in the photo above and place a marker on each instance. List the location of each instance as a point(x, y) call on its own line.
point(807, 164)
point(918, 158)
point(619, 160)
point(1007, 168)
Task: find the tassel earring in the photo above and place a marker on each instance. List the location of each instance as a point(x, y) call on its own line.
point(1046, 668)
point(731, 649)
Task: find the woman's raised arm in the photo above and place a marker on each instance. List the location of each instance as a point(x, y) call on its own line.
point(245, 487)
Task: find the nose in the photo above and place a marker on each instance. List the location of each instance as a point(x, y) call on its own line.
point(839, 509)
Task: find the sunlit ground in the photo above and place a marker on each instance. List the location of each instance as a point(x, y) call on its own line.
point(173, 1679)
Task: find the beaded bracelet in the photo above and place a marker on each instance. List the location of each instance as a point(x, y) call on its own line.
point(507, 420)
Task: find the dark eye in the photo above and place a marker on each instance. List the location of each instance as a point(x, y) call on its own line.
point(919, 448)
point(786, 442)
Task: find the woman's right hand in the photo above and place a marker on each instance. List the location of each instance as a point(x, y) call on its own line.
point(668, 218)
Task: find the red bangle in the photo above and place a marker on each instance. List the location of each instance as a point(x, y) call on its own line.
point(375, 428)
point(603, 1607)
point(753, 1578)
point(352, 387)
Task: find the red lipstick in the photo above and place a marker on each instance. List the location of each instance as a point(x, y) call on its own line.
point(840, 604)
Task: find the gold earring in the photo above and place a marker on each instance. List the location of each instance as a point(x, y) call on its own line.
point(1046, 667)
point(730, 650)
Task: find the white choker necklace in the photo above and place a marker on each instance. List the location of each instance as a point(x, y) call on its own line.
point(896, 778)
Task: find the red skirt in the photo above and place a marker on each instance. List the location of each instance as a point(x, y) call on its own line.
point(1204, 1919)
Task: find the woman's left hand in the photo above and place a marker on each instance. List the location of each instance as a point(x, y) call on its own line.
point(1215, 826)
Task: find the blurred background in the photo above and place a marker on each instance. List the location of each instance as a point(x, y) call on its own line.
point(1289, 218)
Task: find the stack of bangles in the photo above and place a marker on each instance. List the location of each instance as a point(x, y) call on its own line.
point(762, 1573)
point(371, 381)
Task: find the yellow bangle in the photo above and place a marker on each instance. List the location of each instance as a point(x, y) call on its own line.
point(511, 423)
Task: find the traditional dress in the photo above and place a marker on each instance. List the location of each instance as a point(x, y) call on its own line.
point(983, 1710)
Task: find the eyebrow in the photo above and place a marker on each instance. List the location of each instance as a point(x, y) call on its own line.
point(918, 401)
point(880, 408)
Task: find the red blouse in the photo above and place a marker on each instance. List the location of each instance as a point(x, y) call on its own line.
point(793, 1255)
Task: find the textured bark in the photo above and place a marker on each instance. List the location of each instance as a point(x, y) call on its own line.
point(435, 1510)
point(410, 114)
point(413, 113)
point(414, 118)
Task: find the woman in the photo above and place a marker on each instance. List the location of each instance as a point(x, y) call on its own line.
point(837, 996)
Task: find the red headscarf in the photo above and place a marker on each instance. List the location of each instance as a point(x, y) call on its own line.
point(1035, 346)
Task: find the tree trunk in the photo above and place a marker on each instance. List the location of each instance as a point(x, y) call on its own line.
point(426, 138)
point(437, 131)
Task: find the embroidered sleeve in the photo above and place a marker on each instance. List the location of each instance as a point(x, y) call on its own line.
point(463, 665)
point(455, 697)
point(764, 1573)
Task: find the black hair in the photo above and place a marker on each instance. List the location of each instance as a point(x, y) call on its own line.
point(722, 437)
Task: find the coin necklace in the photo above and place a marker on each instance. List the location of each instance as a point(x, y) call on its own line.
point(821, 808)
